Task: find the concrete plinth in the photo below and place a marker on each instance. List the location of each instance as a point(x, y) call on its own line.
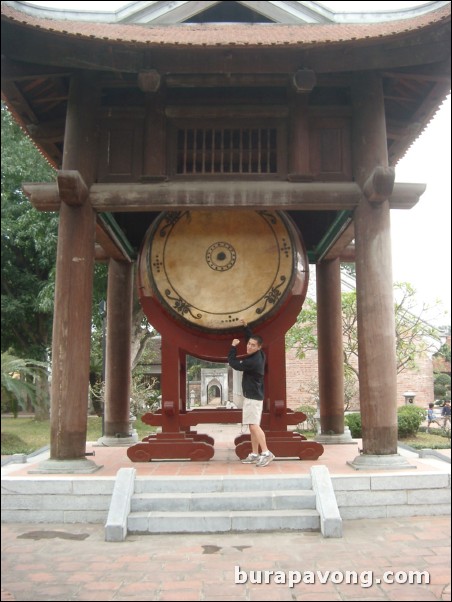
point(78, 466)
point(344, 437)
point(383, 462)
point(119, 441)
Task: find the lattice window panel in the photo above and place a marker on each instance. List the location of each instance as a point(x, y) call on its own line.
point(226, 151)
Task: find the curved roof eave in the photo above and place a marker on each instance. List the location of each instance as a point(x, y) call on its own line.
point(240, 35)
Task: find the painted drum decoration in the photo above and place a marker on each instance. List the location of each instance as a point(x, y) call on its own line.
point(208, 269)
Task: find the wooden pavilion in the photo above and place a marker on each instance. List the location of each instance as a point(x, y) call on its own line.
point(243, 108)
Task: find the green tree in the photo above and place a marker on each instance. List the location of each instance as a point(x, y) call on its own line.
point(302, 337)
point(20, 382)
point(443, 352)
point(28, 248)
point(414, 335)
point(29, 239)
point(441, 386)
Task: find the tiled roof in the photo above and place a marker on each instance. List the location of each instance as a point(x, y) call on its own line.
point(230, 35)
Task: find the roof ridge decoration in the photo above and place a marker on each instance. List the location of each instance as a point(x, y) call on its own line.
point(172, 13)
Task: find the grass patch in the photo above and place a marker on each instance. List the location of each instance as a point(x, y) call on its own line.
point(25, 435)
point(422, 440)
point(13, 444)
point(427, 441)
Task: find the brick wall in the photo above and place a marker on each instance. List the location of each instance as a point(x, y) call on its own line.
point(302, 376)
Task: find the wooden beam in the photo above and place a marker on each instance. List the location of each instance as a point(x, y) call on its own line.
point(71, 187)
point(405, 196)
point(17, 102)
point(226, 111)
point(18, 71)
point(47, 131)
point(348, 254)
point(43, 196)
point(225, 80)
point(100, 255)
point(418, 77)
point(173, 196)
point(107, 247)
point(339, 247)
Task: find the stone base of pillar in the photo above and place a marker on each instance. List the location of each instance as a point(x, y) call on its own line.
point(78, 466)
point(383, 462)
point(119, 441)
point(345, 437)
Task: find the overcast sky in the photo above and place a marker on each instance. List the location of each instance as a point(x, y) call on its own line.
point(421, 237)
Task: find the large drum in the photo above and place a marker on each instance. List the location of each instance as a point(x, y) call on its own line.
point(208, 268)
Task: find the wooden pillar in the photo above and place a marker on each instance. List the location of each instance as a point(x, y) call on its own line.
point(299, 135)
point(118, 351)
point(374, 288)
point(154, 159)
point(74, 280)
point(330, 347)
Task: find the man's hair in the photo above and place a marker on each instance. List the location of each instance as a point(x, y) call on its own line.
point(258, 339)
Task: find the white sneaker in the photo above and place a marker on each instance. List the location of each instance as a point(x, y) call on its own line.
point(265, 459)
point(251, 459)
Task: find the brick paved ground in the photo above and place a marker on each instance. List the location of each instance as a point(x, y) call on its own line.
point(73, 562)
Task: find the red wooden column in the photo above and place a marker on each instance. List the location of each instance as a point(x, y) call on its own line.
point(275, 384)
point(330, 352)
point(118, 354)
point(73, 285)
point(375, 305)
point(171, 385)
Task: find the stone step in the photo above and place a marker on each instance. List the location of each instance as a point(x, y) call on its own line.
point(220, 521)
point(210, 484)
point(223, 501)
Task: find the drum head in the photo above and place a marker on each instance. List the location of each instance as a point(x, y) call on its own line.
point(211, 268)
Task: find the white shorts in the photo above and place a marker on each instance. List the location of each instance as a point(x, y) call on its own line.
point(252, 411)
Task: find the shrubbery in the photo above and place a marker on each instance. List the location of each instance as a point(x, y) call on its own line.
point(353, 421)
point(409, 419)
point(310, 422)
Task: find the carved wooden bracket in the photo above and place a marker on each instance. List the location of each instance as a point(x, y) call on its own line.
point(71, 187)
point(149, 81)
point(379, 186)
point(304, 80)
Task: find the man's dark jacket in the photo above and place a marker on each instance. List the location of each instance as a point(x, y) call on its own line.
point(253, 367)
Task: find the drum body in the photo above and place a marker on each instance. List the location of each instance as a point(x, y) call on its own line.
point(201, 271)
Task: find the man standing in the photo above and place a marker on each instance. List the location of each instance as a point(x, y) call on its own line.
point(252, 366)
